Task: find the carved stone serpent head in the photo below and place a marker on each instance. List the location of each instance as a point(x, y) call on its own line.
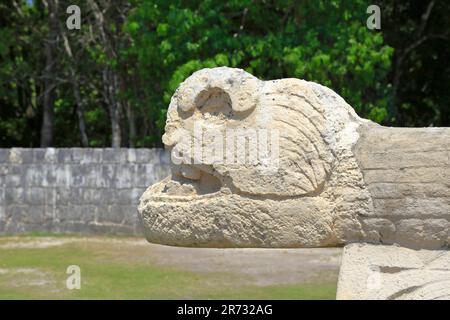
point(261, 164)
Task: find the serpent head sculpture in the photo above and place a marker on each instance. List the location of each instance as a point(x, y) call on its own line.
point(288, 163)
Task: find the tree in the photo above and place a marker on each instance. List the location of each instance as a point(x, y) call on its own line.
point(420, 33)
point(323, 41)
point(109, 83)
point(49, 74)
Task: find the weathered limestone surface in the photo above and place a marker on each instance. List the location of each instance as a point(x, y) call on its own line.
point(391, 273)
point(407, 172)
point(340, 179)
point(75, 190)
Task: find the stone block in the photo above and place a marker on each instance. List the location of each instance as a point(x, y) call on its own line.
point(37, 175)
point(143, 155)
point(4, 169)
point(39, 155)
point(87, 213)
point(164, 156)
point(378, 272)
point(90, 196)
point(130, 215)
point(17, 213)
point(36, 215)
point(45, 155)
point(4, 155)
point(15, 196)
point(78, 155)
point(79, 227)
point(115, 155)
point(113, 214)
point(86, 175)
point(422, 233)
point(35, 196)
point(91, 175)
point(111, 228)
point(51, 155)
point(64, 156)
point(14, 180)
point(378, 230)
point(116, 196)
point(107, 176)
point(136, 193)
point(160, 171)
point(63, 195)
point(93, 156)
point(124, 176)
point(144, 175)
point(20, 156)
point(132, 155)
point(62, 174)
point(76, 213)
point(88, 155)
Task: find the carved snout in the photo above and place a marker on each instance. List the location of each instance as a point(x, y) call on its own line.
point(241, 87)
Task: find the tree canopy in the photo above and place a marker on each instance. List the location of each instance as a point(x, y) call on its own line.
point(109, 83)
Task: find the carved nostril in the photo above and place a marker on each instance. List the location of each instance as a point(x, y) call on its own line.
point(213, 99)
point(241, 88)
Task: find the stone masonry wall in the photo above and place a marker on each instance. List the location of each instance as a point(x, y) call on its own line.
point(77, 189)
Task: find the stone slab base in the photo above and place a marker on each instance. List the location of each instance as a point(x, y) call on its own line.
point(379, 272)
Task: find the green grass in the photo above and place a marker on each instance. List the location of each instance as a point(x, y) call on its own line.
point(112, 272)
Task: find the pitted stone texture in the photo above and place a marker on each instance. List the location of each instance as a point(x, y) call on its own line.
point(339, 178)
point(379, 272)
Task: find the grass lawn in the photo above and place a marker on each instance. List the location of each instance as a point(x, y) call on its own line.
point(34, 267)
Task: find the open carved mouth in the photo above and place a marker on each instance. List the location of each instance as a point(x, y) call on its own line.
point(187, 181)
point(193, 207)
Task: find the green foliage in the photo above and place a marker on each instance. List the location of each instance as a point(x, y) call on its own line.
point(321, 41)
point(153, 45)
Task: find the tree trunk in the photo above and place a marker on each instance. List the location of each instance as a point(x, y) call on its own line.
point(109, 93)
point(110, 78)
point(74, 80)
point(80, 114)
point(49, 74)
point(48, 116)
point(115, 127)
point(131, 126)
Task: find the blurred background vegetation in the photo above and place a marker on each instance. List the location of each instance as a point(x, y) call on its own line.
point(109, 84)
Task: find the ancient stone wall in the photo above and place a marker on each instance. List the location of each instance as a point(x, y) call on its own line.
point(407, 172)
point(75, 190)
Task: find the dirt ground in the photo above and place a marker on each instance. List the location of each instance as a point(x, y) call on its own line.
point(265, 266)
point(253, 267)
